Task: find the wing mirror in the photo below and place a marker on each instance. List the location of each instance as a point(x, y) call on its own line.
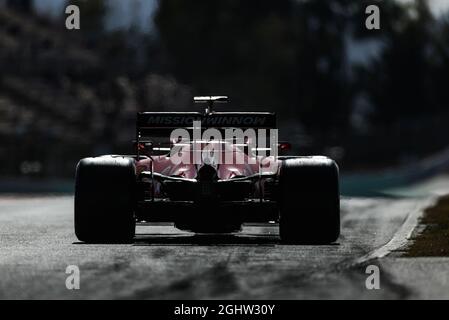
point(284, 146)
point(144, 147)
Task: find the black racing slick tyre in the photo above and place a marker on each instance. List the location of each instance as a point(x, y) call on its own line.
point(309, 201)
point(105, 191)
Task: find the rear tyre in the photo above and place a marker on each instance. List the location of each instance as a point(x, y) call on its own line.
point(309, 201)
point(105, 191)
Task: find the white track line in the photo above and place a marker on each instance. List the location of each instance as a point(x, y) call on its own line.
point(404, 233)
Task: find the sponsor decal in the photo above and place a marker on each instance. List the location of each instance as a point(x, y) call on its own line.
point(212, 120)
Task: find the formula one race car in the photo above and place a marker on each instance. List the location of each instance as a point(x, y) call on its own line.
point(207, 172)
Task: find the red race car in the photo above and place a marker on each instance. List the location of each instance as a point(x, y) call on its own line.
point(207, 172)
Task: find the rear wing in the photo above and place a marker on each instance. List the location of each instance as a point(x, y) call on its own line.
point(162, 123)
point(174, 120)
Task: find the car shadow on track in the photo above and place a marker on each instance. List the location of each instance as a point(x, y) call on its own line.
point(206, 240)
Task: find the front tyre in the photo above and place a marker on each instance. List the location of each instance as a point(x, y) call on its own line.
point(105, 191)
point(309, 201)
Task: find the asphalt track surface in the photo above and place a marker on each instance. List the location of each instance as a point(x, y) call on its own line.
point(37, 244)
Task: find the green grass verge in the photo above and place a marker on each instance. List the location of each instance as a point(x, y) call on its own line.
point(433, 241)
